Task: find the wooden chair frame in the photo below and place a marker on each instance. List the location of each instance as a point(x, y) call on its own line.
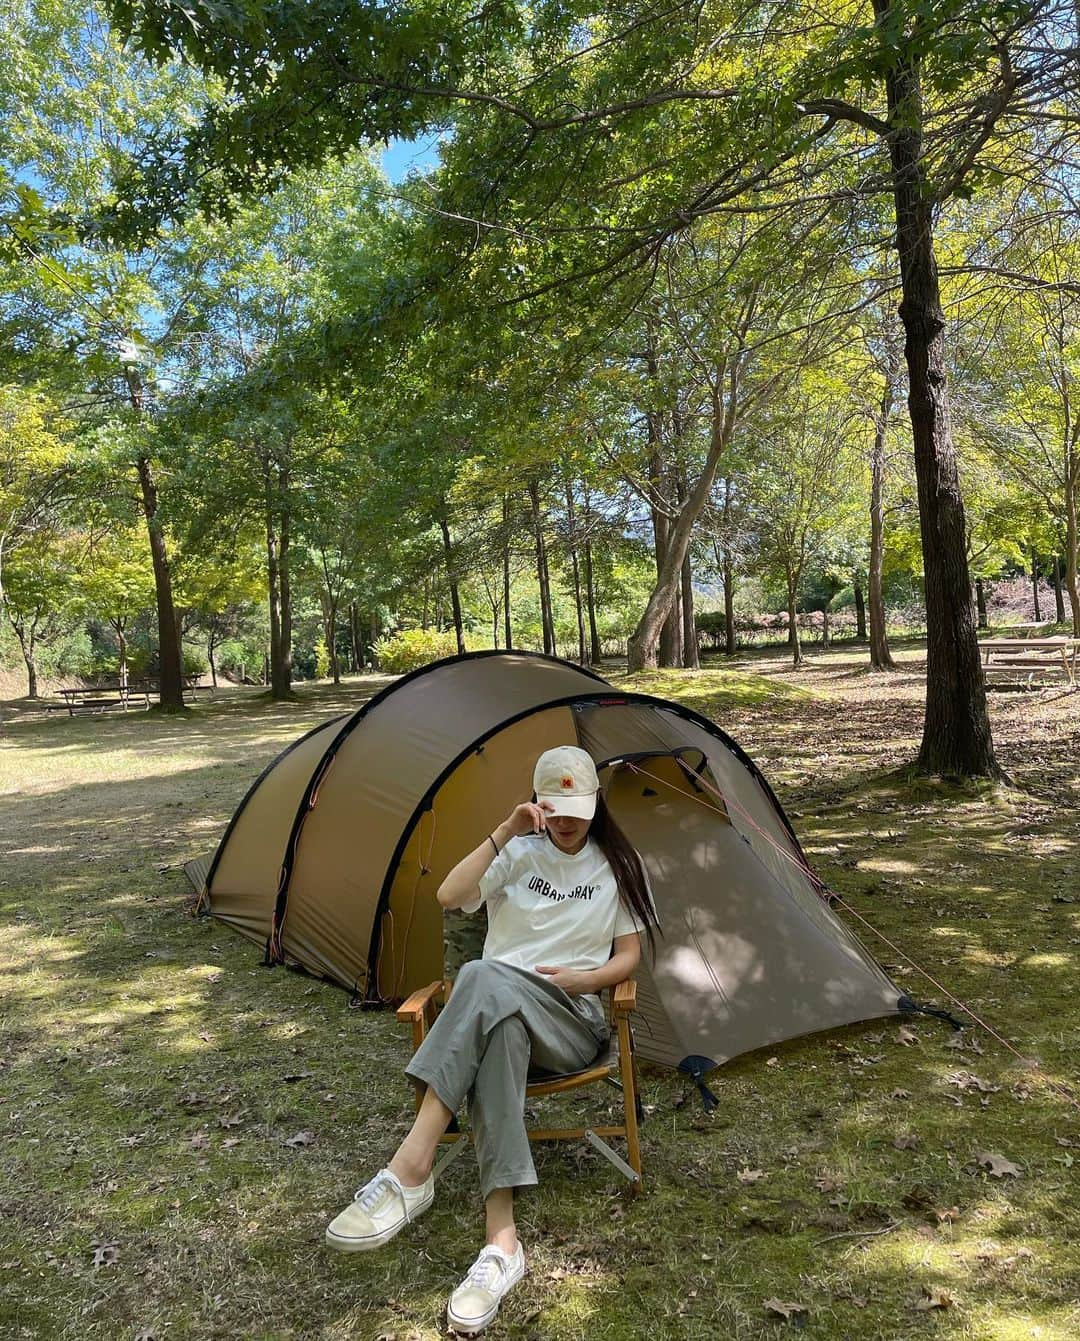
point(420, 1010)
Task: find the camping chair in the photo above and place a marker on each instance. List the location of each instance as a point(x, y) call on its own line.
point(615, 1064)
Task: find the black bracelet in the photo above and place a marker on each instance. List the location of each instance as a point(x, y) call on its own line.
point(493, 843)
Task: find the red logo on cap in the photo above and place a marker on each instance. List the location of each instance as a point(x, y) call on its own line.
point(567, 783)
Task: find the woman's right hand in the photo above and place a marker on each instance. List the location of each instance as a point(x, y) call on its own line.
point(525, 818)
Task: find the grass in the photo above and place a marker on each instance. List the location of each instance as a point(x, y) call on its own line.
point(151, 1071)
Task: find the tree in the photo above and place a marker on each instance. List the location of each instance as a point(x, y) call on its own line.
point(35, 457)
point(38, 596)
point(803, 491)
point(116, 581)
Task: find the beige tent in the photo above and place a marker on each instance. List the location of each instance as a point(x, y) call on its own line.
point(333, 858)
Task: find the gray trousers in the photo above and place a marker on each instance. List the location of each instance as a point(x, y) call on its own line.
point(498, 1021)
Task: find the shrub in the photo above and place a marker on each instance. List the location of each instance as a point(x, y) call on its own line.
point(409, 649)
point(193, 662)
point(322, 659)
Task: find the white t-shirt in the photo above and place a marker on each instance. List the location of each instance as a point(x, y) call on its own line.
point(547, 907)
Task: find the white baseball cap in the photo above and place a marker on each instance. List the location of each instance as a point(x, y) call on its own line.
point(566, 779)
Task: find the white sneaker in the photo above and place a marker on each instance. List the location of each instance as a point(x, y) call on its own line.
point(381, 1208)
point(476, 1300)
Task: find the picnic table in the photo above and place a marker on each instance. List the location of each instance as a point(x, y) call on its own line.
point(97, 698)
point(1033, 655)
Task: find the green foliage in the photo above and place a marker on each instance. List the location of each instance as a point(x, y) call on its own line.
point(322, 659)
point(409, 649)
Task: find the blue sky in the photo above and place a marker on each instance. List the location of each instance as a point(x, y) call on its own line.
point(403, 156)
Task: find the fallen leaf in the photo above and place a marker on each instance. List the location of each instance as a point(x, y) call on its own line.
point(906, 1036)
point(997, 1165)
point(750, 1175)
point(230, 1143)
point(300, 1139)
point(199, 1141)
point(105, 1254)
point(905, 1142)
point(773, 1061)
point(954, 1041)
point(782, 1309)
point(900, 1094)
point(934, 1296)
point(230, 1119)
point(964, 1080)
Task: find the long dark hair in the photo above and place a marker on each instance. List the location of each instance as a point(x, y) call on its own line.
point(625, 866)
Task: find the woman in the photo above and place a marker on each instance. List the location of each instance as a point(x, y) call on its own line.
point(567, 898)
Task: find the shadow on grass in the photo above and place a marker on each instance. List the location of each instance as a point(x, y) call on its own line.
point(152, 1074)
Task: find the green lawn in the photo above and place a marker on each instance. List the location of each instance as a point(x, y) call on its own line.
point(152, 1072)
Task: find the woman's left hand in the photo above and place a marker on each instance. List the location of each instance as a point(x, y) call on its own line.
point(574, 982)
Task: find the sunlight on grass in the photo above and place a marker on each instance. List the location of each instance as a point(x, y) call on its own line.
point(151, 1071)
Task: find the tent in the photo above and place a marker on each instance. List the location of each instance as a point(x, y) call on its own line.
point(333, 857)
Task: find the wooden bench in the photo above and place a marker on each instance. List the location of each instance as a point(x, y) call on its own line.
point(1033, 656)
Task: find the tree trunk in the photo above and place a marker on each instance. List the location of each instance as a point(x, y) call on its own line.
point(576, 572)
point(331, 644)
point(691, 659)
point(274, 594)
point(667, 651)
point(122, 654)
point(1035, 585)
point(688, 644)
point(542, 576)
point(729, 605)
point(956, 731)
point(211, 648)
point(170, 680)
point(793, 622)
point(642, 643)
point(507, 634)
point(595, 651)
point(980, 602)
point(26, 646)
point(1059, 591)
point(860, 612)
point(285, 585)
point(451, 577)
point(170, 669)
point(355, 640)
point(825, 630)
point(1072, 487)
point(880, 656)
